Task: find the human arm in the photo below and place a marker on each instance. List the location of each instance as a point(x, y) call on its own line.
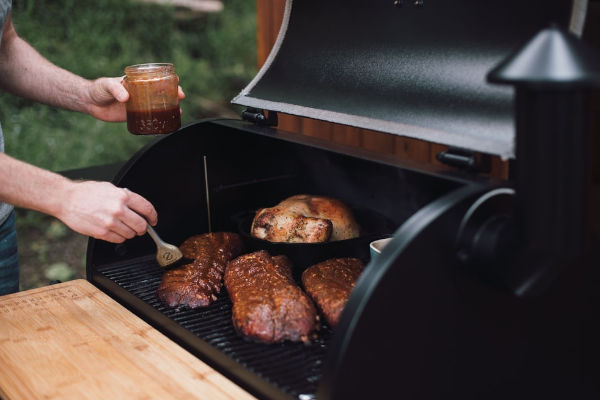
point(97, 209)
point(26, 73)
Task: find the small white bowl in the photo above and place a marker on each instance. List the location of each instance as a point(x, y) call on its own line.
point(376, 247)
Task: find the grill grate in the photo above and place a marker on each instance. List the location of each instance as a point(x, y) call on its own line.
point(294, 368)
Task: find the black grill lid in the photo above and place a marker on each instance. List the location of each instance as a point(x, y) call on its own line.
point(412, 68)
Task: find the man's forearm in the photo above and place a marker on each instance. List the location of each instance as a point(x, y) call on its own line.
point(28, 186)
point(26, 73)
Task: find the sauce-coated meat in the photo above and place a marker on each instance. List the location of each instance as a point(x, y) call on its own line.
point(196, 284)
point(329, 284)
point(268, 306)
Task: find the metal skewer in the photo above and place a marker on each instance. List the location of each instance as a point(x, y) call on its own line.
point(207, 194)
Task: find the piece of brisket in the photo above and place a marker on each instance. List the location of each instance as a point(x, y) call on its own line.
point(329, 284)
point(197, 284)
point(268, 306)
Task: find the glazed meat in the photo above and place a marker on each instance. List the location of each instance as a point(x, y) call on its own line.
point(329, 284)
point(268, 306)
point(305, 219)
point(197, 284)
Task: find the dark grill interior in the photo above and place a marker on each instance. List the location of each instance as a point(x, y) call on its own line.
point(294, 368)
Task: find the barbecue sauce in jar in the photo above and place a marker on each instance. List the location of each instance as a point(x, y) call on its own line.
point(153, 106)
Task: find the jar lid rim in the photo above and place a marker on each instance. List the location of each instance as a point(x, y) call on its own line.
point(147, 66)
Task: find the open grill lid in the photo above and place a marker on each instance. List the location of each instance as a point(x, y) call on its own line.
point(407, 67)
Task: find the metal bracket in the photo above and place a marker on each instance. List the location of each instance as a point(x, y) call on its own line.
point(258, 116)
point(465, 159)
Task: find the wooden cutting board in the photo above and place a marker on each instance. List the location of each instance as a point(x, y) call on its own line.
point(71, 341)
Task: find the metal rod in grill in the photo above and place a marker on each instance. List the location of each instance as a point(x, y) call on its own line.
point(207, 193)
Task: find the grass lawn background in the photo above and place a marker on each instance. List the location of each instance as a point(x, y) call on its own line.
point(214, 56)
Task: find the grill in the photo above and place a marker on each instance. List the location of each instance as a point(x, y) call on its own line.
point(487, 286)
point(129, 273)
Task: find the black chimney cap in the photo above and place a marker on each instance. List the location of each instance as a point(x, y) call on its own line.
point(554, 58)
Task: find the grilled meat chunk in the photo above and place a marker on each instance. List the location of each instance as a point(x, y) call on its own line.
point(329, 284)
point(268, 306)
point(305, 219)
point(196, 284)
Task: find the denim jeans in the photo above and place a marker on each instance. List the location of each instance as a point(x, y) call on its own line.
point(9, 258)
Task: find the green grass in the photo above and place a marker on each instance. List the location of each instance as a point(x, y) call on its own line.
point(214, 56)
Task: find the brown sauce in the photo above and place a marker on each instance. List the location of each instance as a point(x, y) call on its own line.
point(153, 122)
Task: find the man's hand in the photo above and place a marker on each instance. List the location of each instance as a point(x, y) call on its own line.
point(97, 209)
point(104, 211)
point(107, 98)
point(26, 73)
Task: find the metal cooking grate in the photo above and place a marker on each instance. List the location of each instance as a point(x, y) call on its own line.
point(294, 368)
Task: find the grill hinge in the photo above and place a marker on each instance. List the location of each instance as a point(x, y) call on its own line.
point(465, 159)
point(258, 116)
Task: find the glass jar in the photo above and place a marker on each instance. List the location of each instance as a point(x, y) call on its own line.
point(153, 106)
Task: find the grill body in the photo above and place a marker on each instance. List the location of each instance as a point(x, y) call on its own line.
point(420, 322)
point(262, 165)
point(448, 310)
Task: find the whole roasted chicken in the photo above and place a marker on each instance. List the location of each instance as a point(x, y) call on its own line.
point(305, 218)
